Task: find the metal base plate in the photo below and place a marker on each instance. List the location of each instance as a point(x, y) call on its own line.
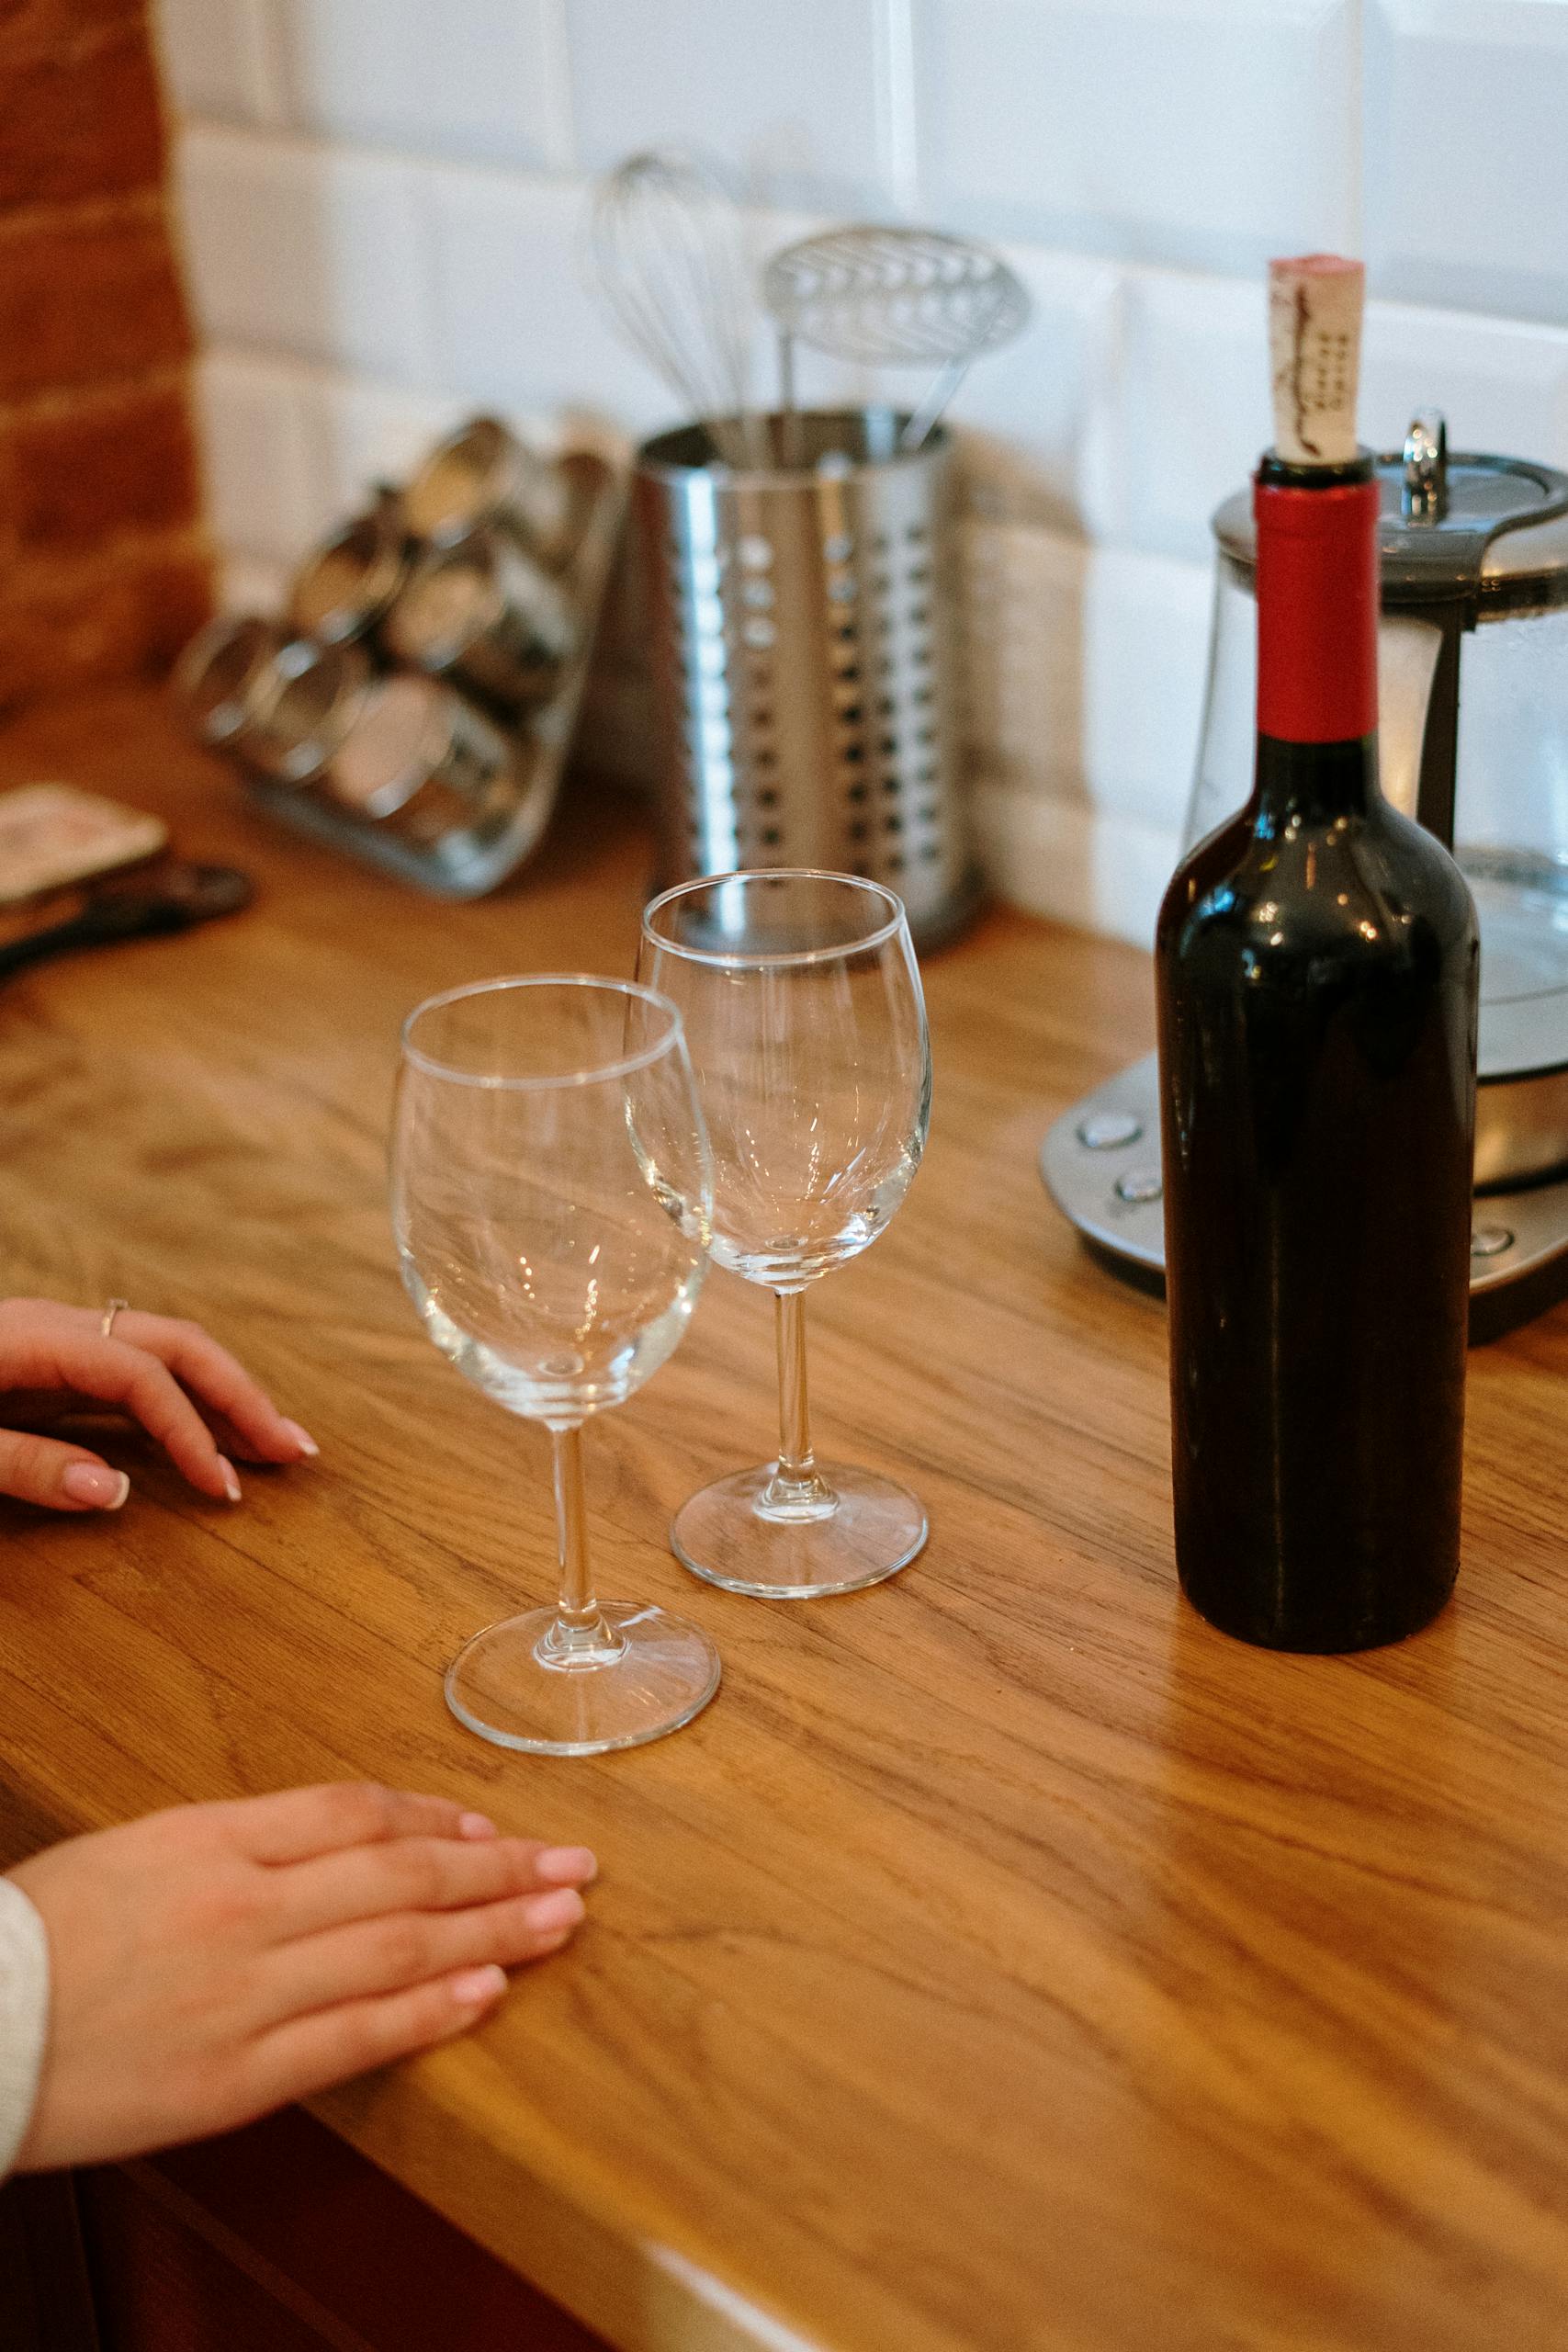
point(1101, 1166)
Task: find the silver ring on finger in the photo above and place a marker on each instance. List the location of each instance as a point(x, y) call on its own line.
point(105, 1323)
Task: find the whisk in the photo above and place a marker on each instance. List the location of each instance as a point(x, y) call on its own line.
point(668, 241)
point(894, 296)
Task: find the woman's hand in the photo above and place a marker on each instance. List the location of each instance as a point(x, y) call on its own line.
point(185, 1389)
point(210, 1963)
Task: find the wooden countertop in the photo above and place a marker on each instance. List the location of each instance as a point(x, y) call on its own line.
point(1005, 1960)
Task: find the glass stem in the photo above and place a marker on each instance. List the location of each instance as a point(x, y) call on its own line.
point(796, 1489)
point(579, 1636)
point(577, 1606)
point(796, 1459)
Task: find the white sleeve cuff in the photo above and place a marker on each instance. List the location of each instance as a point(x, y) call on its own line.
point(24, 2016)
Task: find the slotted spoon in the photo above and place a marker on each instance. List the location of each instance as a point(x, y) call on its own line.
point(895, 297)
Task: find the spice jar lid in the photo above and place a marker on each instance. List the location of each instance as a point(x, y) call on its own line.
point(453, 597)
point(218, 673)
point(346, 582)
point(483, 473)
point(300, 706)
point(397, 735)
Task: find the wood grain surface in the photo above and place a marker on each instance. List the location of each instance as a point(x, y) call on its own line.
point(1005, 1960)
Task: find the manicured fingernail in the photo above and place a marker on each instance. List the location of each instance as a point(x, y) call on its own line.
point(475, 1825)
point(567, 1865)
point(563, 1909)
point(476, 1986)
point(302, 1438)
point(231, 1484)
point(92, 1482)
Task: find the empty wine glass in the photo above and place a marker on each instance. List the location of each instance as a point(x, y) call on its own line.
point(551, 1192)
point(808, 1031)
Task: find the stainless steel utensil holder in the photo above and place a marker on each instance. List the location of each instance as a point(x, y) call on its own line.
point(803, 642)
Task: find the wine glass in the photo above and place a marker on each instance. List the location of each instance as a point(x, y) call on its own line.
point(808, 1031)
point(551, 1194)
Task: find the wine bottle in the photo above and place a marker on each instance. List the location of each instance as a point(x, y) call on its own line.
point(1316, 970)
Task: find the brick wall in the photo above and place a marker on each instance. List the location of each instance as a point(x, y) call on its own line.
point(102, 566)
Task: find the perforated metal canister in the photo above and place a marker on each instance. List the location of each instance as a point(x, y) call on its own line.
point(802, 636)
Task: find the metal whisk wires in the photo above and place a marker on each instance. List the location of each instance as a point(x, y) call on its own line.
point(668, 243)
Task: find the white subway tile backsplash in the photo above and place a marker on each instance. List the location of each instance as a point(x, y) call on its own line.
point(793, 96)
point(1186, 410)
point(259, 479)
point(1196, 132)
point(318, 252)
point(1084, 669)
point(1145, 660)
point(1502, 383)
point(518, 320)
point(359, 434)
point(1023, 605)
point(385, 209)
point(1186, 406)
point(294, 448)
point(219, 58)
point(1074, 864)
point(1035, 410)
point(1466, 163)
point(474, 79)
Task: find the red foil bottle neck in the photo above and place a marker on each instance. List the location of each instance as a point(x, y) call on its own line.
point(1317, 611)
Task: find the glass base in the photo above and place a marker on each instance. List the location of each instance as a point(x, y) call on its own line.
point(518, 1684)
point(728, 1535)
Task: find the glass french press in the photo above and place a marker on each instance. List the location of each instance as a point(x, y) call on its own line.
point(1473, 738)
